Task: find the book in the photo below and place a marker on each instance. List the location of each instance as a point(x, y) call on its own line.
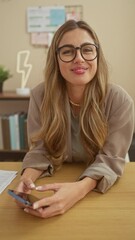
point(6, 132)
point(26, 134)
point(17, 133)
point(22, 117)
point(14, 131)
point(1, 134)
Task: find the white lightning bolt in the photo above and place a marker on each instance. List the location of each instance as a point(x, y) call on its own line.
point(25, 74)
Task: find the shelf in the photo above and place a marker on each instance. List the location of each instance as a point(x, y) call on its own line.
point(11, 95)
point(9, 155)
point(12, 103)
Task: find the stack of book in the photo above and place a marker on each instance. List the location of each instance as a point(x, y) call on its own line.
point(13, 131)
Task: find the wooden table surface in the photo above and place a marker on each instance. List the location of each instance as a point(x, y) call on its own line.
point(109, 216)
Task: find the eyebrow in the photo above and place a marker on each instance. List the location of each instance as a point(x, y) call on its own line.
point(71, 45)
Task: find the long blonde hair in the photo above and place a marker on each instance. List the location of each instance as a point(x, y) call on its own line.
point(54, 118)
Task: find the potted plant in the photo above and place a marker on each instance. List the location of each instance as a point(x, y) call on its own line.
point(4, 75)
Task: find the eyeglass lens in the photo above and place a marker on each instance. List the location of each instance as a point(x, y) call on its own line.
point(68, 53)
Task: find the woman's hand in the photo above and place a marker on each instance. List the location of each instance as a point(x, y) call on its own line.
point(24, 187)
point(27, 180)
point(64, 197)
point(26, 183)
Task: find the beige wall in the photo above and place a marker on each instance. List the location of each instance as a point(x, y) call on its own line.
point(113, 20)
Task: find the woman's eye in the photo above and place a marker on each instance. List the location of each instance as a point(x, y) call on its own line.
point(87, 50)
point(67, 51)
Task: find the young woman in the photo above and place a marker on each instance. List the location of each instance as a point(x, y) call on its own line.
point(76, 115)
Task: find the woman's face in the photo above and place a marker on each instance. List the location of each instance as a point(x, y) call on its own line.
point(78, 72)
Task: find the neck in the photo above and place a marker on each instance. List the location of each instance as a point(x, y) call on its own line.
point(75, 94)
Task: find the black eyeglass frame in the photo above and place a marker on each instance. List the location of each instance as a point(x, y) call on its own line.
point(78, 48)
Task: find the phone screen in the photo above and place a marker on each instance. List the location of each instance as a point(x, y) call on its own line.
point(25, 199)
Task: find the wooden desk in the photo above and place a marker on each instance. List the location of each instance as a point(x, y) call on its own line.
point(109, 216)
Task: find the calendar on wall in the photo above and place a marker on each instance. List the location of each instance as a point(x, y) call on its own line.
point(42, 22)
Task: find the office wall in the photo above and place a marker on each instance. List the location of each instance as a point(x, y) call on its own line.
point(113, 21)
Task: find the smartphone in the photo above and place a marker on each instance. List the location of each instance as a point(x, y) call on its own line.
point(25, 199)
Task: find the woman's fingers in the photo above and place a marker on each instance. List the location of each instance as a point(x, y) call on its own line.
point(44, 202)
point(47, 212)
point(38, 213)
point(29, 184)
point(65, 196)
point(46, 187)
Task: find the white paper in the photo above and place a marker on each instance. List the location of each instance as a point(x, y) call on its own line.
point(6, 177)
point(45, 19)
point(41, 38)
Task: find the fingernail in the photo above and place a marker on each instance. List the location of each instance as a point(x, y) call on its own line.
point(32, 185)
point(35, 205)
point(39, 188)
point(26, 210)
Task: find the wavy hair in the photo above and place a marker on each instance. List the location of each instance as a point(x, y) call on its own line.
point(54, 117)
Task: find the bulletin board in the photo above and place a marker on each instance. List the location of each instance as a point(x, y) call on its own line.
point(42, 22)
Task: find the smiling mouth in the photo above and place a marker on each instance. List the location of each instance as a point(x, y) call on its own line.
point(79, 70)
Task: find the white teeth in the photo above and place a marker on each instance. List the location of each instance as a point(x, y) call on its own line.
point(79, 70)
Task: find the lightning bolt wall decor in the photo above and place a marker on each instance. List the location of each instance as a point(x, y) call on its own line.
point(23, 56)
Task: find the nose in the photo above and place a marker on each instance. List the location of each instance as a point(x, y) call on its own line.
point(78, 57)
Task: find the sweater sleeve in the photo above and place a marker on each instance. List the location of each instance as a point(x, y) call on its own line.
point(36, 156)
point(109, 163)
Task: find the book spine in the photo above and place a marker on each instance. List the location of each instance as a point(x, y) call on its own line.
point(25, 134)
point(1, 134)
point(6, 132)
point(12, 132)
point(17, 134)
point(21, 130)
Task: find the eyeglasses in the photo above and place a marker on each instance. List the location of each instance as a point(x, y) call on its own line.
point(67, 53)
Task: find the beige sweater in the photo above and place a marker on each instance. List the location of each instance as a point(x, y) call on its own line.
point(109, 164)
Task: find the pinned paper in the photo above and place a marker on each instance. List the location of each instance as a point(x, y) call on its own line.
point(45, 19)
point(41, 38)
